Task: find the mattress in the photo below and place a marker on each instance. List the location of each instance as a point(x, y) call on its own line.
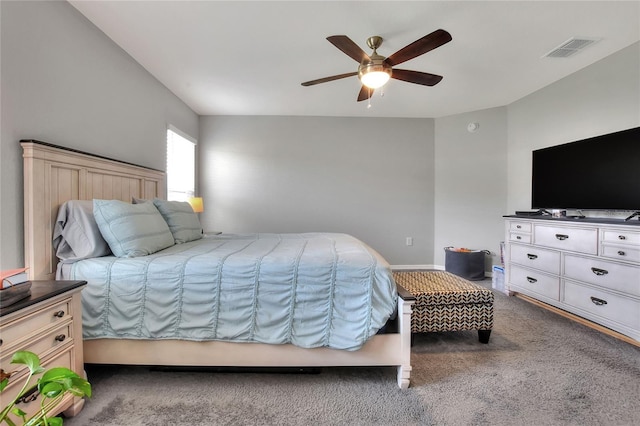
point(310, 290)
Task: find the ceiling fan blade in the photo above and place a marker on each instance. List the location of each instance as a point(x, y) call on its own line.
point(419, 47)
point(347, 45)
point(365, 93)
point(326, 79)
point(416, 77)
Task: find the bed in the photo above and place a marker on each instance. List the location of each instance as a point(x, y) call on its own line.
point(54, 175)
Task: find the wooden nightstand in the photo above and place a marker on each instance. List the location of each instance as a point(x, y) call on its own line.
point(49, 324)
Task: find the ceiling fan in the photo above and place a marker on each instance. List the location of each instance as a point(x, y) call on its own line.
point(375, 70)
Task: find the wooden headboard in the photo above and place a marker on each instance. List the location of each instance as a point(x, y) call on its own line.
point(53, 175)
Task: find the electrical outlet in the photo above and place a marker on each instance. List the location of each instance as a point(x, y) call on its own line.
point(409, 241)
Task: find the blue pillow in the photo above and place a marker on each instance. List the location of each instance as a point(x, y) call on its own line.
point(132, 230)
point(182, 221)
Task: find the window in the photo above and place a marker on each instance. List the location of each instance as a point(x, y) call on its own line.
point(181, 165)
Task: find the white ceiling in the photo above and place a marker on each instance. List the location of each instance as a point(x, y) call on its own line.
point(249, 58)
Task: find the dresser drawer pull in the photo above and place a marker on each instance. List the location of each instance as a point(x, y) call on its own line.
point(58, 314)
point(31, 395)
point(622, 237)
point(562, 237)
point(597, 301)
point(621, 253)
point(518, 237)
point(532, 256)
point(599, 271)
point(518, 226)
point(532, 280)
point(60, 338)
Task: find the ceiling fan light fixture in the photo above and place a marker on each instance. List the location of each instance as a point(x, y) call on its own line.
point(375, 79)
point(374, 73)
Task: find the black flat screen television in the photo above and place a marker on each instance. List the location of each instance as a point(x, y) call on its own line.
point(599, 173)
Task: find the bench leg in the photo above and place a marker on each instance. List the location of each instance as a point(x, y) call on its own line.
point(483, 336)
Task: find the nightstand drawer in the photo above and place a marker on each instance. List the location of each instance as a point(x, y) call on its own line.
point(29, 324)
point(17, 381)
point(534, 257)
point(41, 345)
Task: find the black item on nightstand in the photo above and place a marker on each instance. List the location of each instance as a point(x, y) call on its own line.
point(41, 290)
point(14, 294)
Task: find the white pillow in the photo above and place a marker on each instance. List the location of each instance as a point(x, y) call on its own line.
point(132, 230)
point(76, 234)
point(182, 220)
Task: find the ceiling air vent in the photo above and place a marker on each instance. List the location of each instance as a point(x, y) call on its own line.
point(570, 47)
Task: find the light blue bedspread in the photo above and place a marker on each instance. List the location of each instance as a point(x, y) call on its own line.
point(311, 290)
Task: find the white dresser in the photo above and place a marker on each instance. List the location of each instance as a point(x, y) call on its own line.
point(588, 267)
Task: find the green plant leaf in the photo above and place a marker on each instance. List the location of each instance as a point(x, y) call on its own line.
point(3, 384)
point(51, 389)
point(57, 374)
point(55, 421)
point(29, 359)
point(18, 412)
point(80, 387)
point(60, 379)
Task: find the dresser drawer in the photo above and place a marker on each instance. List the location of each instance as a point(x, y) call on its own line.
point(520, 226)
point(621, 237)
point(521, 238)
point(18, 329)
point(535, 281)
point(629, 254)
point(610, 275)
point(616, 308)
point(584, 240)
point(534, 257)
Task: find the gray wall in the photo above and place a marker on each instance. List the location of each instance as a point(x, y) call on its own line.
point(599, 99)
point(64, 82)
point(471, 184)
point(372, 178)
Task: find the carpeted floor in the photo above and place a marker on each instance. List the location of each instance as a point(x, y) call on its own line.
point(538, 369)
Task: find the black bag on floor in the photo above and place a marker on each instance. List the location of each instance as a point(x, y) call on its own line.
point(468, 264)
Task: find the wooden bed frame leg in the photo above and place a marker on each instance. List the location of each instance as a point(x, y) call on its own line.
point(404, 325)
point(404, 374)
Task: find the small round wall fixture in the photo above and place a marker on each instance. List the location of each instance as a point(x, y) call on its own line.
point(473, 127)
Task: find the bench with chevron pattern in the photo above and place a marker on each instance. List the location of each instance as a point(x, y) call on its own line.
point(447, 302)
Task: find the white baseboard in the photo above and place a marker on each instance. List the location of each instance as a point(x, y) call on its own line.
point(415, 267)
